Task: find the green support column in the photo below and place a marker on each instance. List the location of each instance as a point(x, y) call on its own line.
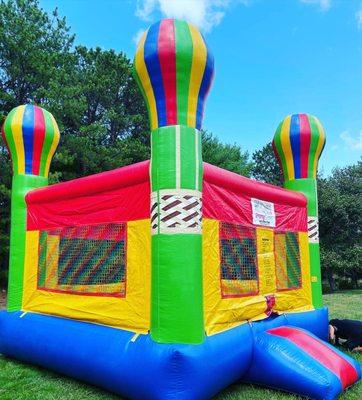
point(298, 143)
point(31, 135)
point(174, 70)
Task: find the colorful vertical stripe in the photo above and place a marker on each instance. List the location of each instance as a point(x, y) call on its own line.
point(174, 68)
point(32, 136)
point(298, 144)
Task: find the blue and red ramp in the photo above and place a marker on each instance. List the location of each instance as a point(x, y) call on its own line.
point(294, 360)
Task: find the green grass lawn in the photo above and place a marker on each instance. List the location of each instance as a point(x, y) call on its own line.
point(23, 382)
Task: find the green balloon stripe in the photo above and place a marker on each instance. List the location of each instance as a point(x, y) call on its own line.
point(184, 53)
point(10, 140)
point(48, 140)
point(279, 148)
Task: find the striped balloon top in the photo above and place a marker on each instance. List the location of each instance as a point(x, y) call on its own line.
point(298, 144)
point(32, 136)
point(174, 69)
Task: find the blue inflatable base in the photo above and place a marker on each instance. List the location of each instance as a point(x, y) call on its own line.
point(137, 367)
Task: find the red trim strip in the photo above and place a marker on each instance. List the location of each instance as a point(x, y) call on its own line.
point(322, 353)
point(167, 58)
point(39, 135)
point(305, 138)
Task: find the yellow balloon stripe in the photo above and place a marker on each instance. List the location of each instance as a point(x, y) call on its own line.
point(321, 142)
point(287, 148)
point(197, 72)
point(17, 128)
point(145, 81)
point(54, 144)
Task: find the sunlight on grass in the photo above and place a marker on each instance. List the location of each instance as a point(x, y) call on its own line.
point(23, 382)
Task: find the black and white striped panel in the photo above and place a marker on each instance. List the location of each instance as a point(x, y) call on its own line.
point(313, 234)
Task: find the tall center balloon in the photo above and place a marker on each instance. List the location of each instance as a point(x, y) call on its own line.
point(174, 69)
point(298, 143)
point(31, 136)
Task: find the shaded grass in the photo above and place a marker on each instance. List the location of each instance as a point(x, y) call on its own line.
point(23, 382)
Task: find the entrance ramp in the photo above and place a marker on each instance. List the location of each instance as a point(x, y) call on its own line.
point(296, 361)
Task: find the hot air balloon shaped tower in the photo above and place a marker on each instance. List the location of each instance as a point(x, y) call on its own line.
point(31, 136)
point(170, 278)
point(174, 69)
point(298, 143)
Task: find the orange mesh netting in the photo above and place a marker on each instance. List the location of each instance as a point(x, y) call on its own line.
point(87, 259)
point(239, 272)
point(287, 260)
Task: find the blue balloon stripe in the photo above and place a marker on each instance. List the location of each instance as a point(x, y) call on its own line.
point(154, 71)
point(28, 137)
point(295, 144)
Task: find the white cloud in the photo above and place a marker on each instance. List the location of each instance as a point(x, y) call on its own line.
point(203, 13)
point(137, 36)
point(359, 18)
point(324, 5)
point(352, 143)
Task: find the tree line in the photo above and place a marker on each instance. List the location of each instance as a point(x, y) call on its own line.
point(104, 125)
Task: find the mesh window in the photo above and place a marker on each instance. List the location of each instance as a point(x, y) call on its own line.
point(287, 261)
point(239, 272)
point(88, 260)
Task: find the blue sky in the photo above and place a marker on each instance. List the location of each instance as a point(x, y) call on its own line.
point(273, 58)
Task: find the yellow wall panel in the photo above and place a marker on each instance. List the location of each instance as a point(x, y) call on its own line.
point(131, 312)
point(266, 264)
point(299, 299)
point(224, 313)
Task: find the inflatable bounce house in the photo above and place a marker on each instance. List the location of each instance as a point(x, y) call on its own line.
point(170, 279)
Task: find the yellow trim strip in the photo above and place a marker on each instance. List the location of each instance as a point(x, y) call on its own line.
point(321, 141)
point(145, 81)
point(18, 137)
point(197, 72)
point(287, 148)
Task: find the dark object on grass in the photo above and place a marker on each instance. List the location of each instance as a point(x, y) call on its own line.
point(347, 329)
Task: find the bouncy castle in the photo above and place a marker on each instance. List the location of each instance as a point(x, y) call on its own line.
point(170, 279)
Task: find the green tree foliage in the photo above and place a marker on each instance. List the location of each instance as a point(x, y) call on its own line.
point(227, 156)
point(91, 93)
point(33, 47)
point(265, 166)
point(100, 112)
point(340, 224)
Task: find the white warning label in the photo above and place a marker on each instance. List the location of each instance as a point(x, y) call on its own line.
point(263, 213)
